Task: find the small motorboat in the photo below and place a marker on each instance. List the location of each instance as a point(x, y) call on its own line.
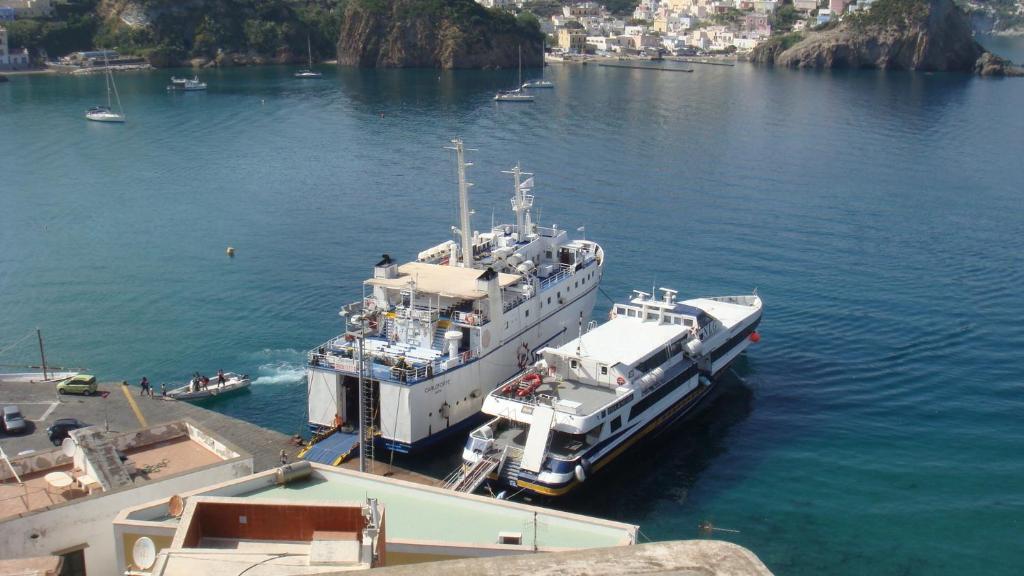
point(539, 84)
point(196, 390)
point(513, 96)
point(186, 84)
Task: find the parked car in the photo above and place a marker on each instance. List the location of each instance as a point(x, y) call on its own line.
point(13, 420)
point(81, 384)
point(58, 431)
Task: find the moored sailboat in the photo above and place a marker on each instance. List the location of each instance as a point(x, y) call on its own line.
point(308, 72)
point(516, 94)
point(106, 113)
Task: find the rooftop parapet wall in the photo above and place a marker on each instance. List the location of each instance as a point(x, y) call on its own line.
point(679, 558)
point(124, 442)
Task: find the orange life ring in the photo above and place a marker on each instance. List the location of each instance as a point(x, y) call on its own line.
point(620, 380)
point(552, 370)
point(470, 318)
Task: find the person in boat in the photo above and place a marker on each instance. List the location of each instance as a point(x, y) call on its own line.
point(206, 383)
point(220, 377)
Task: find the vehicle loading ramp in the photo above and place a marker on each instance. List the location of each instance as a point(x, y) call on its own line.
point(333, 449)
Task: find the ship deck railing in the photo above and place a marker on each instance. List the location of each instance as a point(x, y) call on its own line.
point(589, 398)
point(382, 366)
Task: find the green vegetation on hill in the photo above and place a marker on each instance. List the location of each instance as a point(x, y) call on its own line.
point(71, 28)
point(620, 7)
point(469, 14)
point(891, 13)
point(179, 30)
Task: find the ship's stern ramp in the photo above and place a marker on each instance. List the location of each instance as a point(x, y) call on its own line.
point(332, 449)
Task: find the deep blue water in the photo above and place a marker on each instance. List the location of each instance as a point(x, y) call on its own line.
point(875, 429)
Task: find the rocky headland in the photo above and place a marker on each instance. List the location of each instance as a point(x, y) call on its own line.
point(435, 34)
point(927, 35)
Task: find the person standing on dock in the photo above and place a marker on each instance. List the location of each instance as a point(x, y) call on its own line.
point(144, 383)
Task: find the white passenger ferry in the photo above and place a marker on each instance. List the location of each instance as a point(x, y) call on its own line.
point(441, 332)
point(584, 403)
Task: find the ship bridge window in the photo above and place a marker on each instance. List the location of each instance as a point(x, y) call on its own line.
point(652, 315)
point(620, 310)
point(631, 313)
point(616, 423)
point(687, 322)
point(604, 370)
point(573, 364)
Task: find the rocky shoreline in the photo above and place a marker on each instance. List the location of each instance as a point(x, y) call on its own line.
point(424, 34)
point(926, 35)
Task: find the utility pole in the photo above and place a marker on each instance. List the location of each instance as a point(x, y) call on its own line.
point(42, 355)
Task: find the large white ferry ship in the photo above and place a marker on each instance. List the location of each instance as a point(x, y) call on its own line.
point(584, 403)
point(442, 331)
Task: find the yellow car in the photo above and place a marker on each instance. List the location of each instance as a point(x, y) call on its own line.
point(81, 384)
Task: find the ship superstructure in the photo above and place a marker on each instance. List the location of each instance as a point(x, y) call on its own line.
point(437, 334)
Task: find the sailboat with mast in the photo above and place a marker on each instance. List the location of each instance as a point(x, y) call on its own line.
point(516, 95)
point(540, 82)
point(106, 113)
point(308, 72)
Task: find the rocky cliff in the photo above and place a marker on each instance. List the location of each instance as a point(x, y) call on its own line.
point(930, 35)
point(435, 34)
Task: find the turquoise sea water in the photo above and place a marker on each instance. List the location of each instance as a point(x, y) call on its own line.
point(875, 429)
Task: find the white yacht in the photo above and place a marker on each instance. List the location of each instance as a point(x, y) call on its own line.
point(442, 331)
point(584, 403)
point(186, 84)
point(541, 83)
point(106, 113)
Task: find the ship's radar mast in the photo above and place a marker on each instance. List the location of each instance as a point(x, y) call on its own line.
point(465, 227)
point(522, 201)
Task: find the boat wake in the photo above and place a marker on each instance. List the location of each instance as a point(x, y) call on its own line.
point(278, 367)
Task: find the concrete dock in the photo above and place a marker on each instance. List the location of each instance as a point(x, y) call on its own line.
point(121, 408)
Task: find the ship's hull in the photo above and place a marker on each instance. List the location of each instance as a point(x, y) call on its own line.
point(565, 475)
point(413, 416)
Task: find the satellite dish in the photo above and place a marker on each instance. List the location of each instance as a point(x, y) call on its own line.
point(144, 553)
point(175, 506)
point(67, 447)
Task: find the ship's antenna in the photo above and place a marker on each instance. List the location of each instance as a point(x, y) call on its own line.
point(465, 228)
point(521, 200)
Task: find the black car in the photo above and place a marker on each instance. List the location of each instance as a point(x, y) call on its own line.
point(58, 431)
